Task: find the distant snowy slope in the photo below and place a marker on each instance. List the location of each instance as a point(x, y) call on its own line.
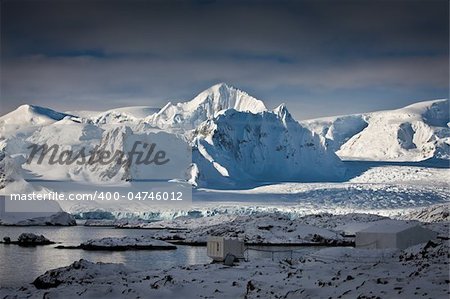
point(206, 105)
point(239, 147)
point(414, 133)
point(337, 130)
point(29, 115)
point(136, 111)
point(124, 114)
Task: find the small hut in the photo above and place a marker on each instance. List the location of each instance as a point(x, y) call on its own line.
point(219, 247)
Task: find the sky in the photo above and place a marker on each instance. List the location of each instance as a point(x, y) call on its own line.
point(320, 58)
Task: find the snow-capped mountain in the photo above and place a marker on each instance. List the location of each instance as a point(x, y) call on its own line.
point(413, 133)
point(207, 104)
point(236, 147)
point(235, 139)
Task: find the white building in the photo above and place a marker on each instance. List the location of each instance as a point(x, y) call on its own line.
point(218, 248)
point(393, 234)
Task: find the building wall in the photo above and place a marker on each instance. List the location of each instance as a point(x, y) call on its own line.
point(413, 236)
point(375, 240)
point(403, 239)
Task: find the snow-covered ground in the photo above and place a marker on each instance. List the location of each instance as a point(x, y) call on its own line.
point(261, 227)
point(255, 229)
point(419, 271)
point(124, 243)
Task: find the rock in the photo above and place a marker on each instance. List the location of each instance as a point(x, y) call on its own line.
point(81, 271)
point(7, 240)
point(229, 260)
point(30, 239)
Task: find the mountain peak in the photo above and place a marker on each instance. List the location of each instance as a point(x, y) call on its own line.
point(24, 107)
point(219, 90)
point(206, 105)
point(282, 112)
point(223, 96)
point(221, 85)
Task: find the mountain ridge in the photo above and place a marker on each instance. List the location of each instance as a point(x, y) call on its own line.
point(416, 132)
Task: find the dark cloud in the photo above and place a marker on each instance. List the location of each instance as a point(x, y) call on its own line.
point(320, 57)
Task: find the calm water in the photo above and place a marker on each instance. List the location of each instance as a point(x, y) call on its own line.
point(21, 265)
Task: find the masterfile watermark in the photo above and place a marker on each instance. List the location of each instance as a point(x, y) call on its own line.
point(115, 171)
point(160, 196)
point(148, 154)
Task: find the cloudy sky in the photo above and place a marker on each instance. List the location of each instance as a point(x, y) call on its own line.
point(319, 57)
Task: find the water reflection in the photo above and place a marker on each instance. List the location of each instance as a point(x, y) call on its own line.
point(21, 265)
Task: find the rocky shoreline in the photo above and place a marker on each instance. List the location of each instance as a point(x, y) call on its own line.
point(419, 271)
